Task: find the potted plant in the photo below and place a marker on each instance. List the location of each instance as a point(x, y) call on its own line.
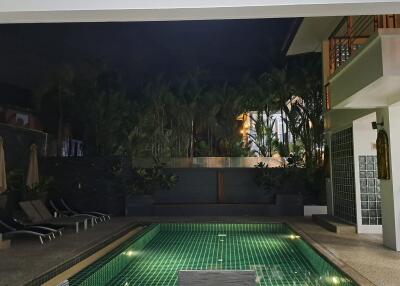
point(3, 199)
point(40, 190)
point(144, 182)
point(15, 186)
point(282, 182)
point(265, 178)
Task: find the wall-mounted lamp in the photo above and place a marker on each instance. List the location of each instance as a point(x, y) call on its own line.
point(376, 124)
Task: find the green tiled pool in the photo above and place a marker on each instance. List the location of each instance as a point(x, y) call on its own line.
point(277, 254)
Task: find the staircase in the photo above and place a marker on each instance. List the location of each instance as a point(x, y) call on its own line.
point(334, 224)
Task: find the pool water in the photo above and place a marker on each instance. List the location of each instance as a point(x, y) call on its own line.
point(277, 254)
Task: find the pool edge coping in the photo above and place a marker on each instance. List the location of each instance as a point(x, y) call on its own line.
point(83, 255)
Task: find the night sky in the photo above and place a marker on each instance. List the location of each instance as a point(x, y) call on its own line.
point(227, 49)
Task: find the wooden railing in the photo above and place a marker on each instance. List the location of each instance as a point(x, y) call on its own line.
point(352, 33)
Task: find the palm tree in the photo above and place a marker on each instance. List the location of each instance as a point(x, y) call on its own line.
point(190, 90)
point(297, 90)
point(55, 102)
point(208, 108)
point(309, 89)
point(282, 92)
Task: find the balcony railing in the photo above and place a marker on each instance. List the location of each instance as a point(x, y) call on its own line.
point(352, 33)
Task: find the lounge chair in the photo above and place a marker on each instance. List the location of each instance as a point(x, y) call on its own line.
point(31, 212)
point(8, 231)
point(14, 225)
point(67, 213)
point(44, 216)
point(47, 226)
point(104, 216)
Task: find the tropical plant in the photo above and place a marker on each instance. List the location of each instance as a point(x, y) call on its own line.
point(295, 159)
point(93, 104)
point(148, 180)
point(14, 192)
point(265, 178)
point(15, 180)
point(264, 136)
point(305, 112)
point(189, 117)
point(261, 106)
point(56, 103)
point(45, 185)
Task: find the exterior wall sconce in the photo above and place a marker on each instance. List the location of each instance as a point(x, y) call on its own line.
point(375, 124)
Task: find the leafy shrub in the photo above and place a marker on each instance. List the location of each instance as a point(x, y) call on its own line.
point(148, 180)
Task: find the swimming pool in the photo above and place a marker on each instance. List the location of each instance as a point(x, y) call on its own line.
point(277, 254)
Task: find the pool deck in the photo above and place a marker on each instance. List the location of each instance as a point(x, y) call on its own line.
point(360, 254)
point(28, 259)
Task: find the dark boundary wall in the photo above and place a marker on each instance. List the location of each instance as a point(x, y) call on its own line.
point(195, 185)
point(85, 183)
point(196, 193)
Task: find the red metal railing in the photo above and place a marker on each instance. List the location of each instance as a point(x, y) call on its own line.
point(327, 97)
point(352, 33)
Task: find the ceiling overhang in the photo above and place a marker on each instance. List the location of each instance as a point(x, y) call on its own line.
point(51, 11)
point(310, 34)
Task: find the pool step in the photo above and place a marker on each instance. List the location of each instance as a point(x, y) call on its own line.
point(217, 277)
point(334, 224)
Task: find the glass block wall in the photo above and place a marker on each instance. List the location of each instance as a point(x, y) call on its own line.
point(343, 175)
point(370, 191)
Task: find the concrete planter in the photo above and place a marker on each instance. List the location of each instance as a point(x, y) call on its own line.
point(139, 205)
point(3, 201)
point(310, 210)
point(43, 196)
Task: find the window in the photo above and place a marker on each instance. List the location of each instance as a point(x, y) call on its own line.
point(22, 119)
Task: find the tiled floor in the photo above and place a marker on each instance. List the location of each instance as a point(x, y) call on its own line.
point(362, 253)
point(27, 259)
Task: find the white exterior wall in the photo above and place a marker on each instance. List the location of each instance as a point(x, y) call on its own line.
point(371, 77)
point(390, 189)
point(369, 83)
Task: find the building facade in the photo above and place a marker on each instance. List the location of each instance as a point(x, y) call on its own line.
point(274, 122)
point(19, 120)
point(361, 69)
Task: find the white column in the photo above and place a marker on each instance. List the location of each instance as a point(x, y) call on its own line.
point(390, 189)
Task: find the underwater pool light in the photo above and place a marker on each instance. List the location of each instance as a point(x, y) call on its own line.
point(332, 280)
point(335, 280)
point(130, 253)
